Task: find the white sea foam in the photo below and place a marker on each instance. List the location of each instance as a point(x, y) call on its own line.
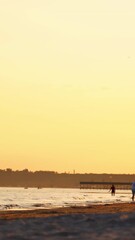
point(33, 198)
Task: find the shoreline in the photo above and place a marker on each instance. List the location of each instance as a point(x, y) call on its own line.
point(108, 221)
point(91, 209)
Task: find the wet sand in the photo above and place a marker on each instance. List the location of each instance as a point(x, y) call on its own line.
point(92, 209)
point(109, 221)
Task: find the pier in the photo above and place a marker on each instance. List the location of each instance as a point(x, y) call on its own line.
point(105, 185)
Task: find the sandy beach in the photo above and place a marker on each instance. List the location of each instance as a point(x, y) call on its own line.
point(113, 221)
point(92, 209)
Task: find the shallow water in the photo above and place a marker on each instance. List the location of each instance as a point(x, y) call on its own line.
point(33, 198)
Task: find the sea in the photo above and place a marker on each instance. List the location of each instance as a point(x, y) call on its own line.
point(48, 198)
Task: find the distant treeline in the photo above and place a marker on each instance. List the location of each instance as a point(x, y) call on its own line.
point(50, 179)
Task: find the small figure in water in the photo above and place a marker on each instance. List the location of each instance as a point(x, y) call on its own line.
point(133, 190)
point(112, 189)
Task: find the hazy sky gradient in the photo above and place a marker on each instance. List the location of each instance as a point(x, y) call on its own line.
point(67, 85)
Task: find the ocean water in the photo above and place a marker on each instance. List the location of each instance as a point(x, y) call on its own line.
point(33, 198)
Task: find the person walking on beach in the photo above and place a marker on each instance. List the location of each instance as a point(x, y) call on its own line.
point(112, 189)
point(133, 191)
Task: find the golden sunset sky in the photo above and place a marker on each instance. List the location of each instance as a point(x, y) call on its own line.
point(67, 85)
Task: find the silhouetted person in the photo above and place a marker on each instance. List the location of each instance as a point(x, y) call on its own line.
point(112, 189)
point(133, 191)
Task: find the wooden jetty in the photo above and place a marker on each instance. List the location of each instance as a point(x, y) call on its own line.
point(105, 185)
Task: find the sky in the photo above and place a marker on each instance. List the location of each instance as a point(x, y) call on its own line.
point(67, 85)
